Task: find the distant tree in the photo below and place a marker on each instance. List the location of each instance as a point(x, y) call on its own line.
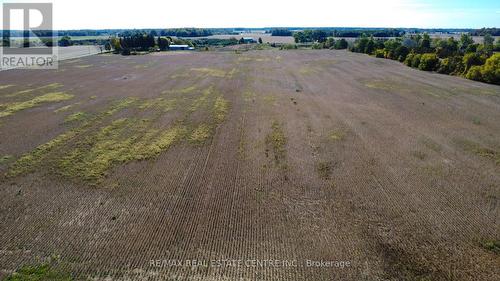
point(465, 41)
point(341, 44)
point(400, 53)
point(425, 44)
point(488, 42)
point(163, 43)
point(65, 41)
point(370, 46)
point(329, 43)
point(260, 40)
point(116, 44)
point(497, 46)
point(281, 32)
point(446, 48)
point(409, 42)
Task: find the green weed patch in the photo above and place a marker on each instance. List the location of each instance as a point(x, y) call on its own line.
point(14, 107)
point(276, 139)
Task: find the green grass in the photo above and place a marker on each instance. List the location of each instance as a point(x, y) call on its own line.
point(200, 134)
point(65, 108)
point(210, 71)
point(2, 87)
point(276, 139)
point(221, 107)
point(14, 107)
point(30, 160)
point(491, 245)
point(77, 116)
point(122, 141)
point(336, 135)
point(44, 272)
point(4, 159)
point(49, 87)
point(477, 149)
point(90, 151)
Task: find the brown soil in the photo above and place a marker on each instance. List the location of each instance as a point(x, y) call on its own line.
point(285, 155)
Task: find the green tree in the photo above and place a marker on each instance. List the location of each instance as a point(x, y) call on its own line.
point(490, 71)
point(163, 43)
point(329, 43)
point(465, 41)
point(497, 46)
point(415, 62)
point(116, 44)
point(65, 41)
point(379, 53)
point(370, 46)
point(452, 65)
point(488, 42)
point(471, 59)
point(425, 44)
point(341, 44)
point(428, 62)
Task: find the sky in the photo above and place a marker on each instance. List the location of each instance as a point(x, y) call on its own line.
point(102, 14)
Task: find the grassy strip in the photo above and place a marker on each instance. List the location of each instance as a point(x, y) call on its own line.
point(277, 140)
point(491, 245)
point(38, 273)
point(14, 107)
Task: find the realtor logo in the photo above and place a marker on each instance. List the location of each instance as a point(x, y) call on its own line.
point(28, 39)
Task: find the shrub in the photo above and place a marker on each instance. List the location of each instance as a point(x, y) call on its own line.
point(415, 62)
point(400, 53)
point(452, 65)
point(288, 47)
point(474, 73)
point(341, 44)
point(317, 46)
point(471, 59)
point(428, 62)
point(409, 59)
point(490, 71)
point(379, 53)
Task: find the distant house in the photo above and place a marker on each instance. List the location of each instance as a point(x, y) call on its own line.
point(248, 40)
point(180, 48)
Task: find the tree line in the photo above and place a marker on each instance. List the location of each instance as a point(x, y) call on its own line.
point(462, 57)
point(187, 32)
point(320, 35)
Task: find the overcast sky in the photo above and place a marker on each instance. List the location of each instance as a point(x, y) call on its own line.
point(100, 14)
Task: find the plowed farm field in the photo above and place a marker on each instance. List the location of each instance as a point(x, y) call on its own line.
point(259, 165)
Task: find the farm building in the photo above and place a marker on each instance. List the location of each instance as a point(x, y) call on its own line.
point(180, 47)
